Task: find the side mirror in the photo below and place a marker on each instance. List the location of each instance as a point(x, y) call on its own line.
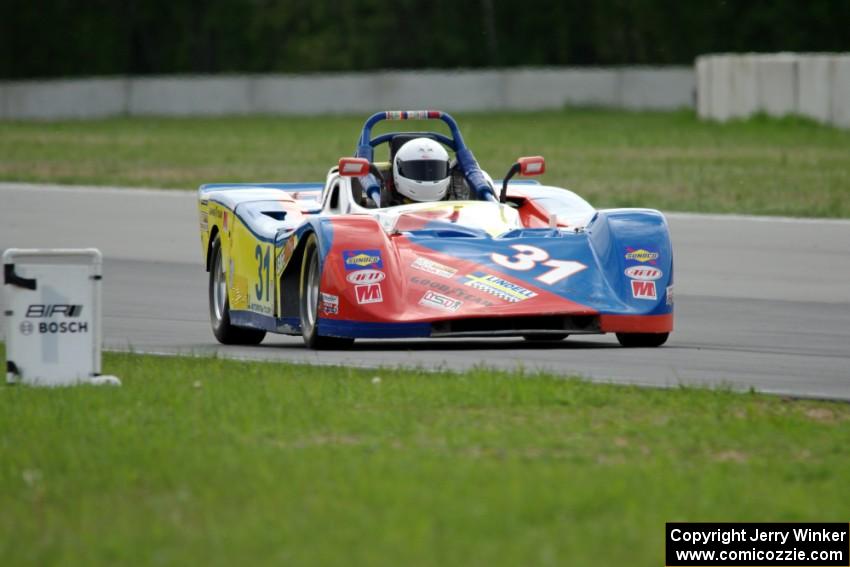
point(353, 167)
point(525, 166)
point(534, 165)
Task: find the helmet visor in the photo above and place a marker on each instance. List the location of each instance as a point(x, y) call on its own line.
point(424, 170)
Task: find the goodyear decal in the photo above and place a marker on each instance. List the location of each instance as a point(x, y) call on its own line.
point(362, 259)
point(497, 286)
point(452, 291)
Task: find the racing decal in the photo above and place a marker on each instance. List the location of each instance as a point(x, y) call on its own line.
point(39, 310)
point(278, 263)
point(365, 276)
point(262, 288)
point(287, 252)
point(224, 224)
point(432, 267)
point(237, 299)
point(369, 293)
point(641, 255)
point(670, 295)
point(528, 257)
point(646, 273)
point(643, 290)
point(204, 221)
point(452, 291)
point(362, 259)
point(328, 304)
point(53, 327)
point(440, 301)
point(497, 286)
point(263, 268)
point(49, 311)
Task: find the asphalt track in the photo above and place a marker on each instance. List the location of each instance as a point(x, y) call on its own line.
point(761, 303)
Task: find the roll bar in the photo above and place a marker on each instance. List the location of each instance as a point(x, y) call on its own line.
point(465, 159)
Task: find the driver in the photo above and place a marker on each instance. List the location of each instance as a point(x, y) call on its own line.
point(421, 172)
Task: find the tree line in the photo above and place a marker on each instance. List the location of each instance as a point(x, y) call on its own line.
point(50, 38)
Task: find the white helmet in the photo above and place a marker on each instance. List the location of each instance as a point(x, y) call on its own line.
point(421, 170)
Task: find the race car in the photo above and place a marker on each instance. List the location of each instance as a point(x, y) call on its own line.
point(339, 261)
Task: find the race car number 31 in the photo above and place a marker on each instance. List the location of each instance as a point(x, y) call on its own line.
point(528, 257)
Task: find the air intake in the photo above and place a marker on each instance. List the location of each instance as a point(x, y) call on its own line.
point(508, 326)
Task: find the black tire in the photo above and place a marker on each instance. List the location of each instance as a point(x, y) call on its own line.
point(642, 340)
point(308, 302)
point(537, 337)
point(219, 304)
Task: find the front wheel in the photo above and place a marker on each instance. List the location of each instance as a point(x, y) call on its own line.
point(220, 306)
point(308, 301)
point(642, 340)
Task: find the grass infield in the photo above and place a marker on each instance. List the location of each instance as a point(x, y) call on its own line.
point(206, 461)
point(665, 160)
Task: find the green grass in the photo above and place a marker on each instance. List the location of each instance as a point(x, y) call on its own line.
point(204, 461)
point(666, 160)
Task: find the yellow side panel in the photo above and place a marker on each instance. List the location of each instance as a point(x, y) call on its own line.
point(252, 270)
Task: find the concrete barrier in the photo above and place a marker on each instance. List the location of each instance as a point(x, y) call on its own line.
point(483, 90)
point(740, 85)
point(840, 109)
point(84, 98)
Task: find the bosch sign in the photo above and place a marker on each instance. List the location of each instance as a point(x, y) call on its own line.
point(52, 304)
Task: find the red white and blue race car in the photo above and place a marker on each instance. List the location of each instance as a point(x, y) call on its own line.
point(348, 259)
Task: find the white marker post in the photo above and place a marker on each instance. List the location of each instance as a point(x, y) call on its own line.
point(53, 314)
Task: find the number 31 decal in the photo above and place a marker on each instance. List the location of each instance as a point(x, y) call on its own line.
point(527, 258)
point(263, 269)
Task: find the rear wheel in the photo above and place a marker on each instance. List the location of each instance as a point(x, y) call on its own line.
point(642, 340)
point(537, 337)
point(220, 306)
point(311, 277)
